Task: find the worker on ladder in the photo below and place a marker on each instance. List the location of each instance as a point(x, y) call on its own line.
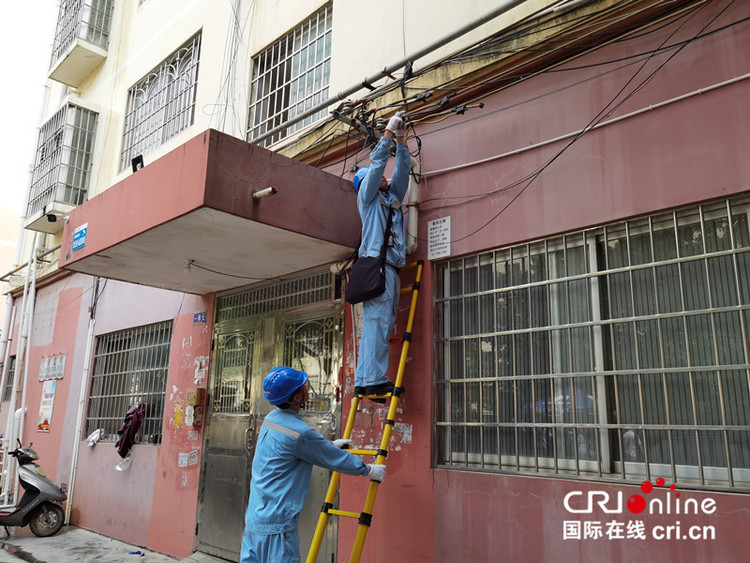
point(376, 199)
point(286, 450)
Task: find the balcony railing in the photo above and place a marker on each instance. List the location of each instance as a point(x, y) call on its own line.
point(81, 39)
point(62, 165)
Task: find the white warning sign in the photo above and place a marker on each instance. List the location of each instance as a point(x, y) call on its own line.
point(439, 238)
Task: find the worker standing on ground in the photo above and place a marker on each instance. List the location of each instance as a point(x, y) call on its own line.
point(286, 450)
point(376, 198)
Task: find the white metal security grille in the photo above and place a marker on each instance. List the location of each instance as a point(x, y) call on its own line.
point(619, 353)
point(79, 19)
point(63, 159)
point(291, 76)
point(297, 292)
point(130, 367)
point(234, 362)
point(162, 104)
point(310, 346)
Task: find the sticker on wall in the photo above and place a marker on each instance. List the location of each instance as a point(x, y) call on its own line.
point(439, 238)
point(193, 457)
point(45, 409)
point(79, 236)
point(179, 409)
point(52, 367)
point(201, 368)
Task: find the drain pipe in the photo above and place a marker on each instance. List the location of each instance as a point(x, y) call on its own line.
point(27, 335)
point(412, 207)
point(11, 424)
point(390, 69)
point(81, 402)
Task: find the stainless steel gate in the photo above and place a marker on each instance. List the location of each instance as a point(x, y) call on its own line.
point(296, 323)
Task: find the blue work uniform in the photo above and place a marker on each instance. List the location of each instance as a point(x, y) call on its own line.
point(286, 450)
point(379, 313)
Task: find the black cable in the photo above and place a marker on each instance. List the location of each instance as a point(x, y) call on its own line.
point(600, 116)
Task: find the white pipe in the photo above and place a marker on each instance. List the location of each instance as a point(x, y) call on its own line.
point(7, 341)
point(413, 207)
point(597, 126)
point(81, 402)
point(390, 69)
point(7, 323)
point(29, 326)
point(20, 363)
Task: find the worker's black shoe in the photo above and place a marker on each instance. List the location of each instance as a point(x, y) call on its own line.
point(359, 390)
point(380, 389)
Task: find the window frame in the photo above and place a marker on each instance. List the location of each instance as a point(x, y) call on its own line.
point(161, 105)
point(280, 88)
point(603, 434)
point(129, 367)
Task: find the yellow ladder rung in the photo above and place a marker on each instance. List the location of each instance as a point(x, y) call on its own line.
point(363, 452)
point(343, 513)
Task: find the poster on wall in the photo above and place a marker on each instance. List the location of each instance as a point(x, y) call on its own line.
point(45, 409)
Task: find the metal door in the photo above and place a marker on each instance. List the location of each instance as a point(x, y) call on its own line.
point(306, 338)
point(228, 444)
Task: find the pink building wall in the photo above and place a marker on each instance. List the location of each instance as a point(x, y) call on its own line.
point(152, 503)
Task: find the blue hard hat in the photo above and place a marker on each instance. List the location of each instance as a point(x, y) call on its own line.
point(359, 175)
point(281, 383)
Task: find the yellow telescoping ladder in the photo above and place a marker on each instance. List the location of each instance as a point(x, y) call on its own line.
point(365, 517)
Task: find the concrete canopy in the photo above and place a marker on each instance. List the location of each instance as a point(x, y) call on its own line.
point(188, 221)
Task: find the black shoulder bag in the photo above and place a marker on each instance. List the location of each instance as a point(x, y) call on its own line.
point(367, 276)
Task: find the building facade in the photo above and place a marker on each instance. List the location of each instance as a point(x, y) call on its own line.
point(578, 380)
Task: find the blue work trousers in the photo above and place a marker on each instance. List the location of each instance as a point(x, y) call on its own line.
point(379, 316)
point(270, 548)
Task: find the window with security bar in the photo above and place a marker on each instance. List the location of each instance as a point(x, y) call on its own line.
point(130, 367)
point(162, 104)
point(89, 20)
point(291, 77)
point(8, 391)
point(62, 164)
point(618, 353)
point(234, 363)
point(310, 346)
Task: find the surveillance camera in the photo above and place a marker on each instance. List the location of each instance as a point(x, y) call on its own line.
point(55, 217)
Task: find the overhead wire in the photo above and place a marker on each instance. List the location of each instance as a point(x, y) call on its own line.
point(600, 116)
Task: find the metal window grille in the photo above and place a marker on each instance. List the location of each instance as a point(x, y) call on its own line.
point(130, 367)
point(63, 159)
point(310, 346)
point(162, 104)
point(291, 76)
point(618, 353)
point(306, 290)
point(8, 391)
point(81, 19)
point(234, 362)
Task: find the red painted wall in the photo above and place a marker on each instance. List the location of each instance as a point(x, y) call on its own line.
point(177, 475)
point(521, 518)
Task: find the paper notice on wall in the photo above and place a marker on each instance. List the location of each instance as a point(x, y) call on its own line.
point(439, 238)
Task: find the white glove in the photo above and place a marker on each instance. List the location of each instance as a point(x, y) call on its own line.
point(376, 472)
point(396, 125)
point(342, 444)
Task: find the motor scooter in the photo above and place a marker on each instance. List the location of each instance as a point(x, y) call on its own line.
point(37, 507)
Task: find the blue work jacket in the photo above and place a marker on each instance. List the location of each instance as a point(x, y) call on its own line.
point(373, 203)
point(286, 450)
